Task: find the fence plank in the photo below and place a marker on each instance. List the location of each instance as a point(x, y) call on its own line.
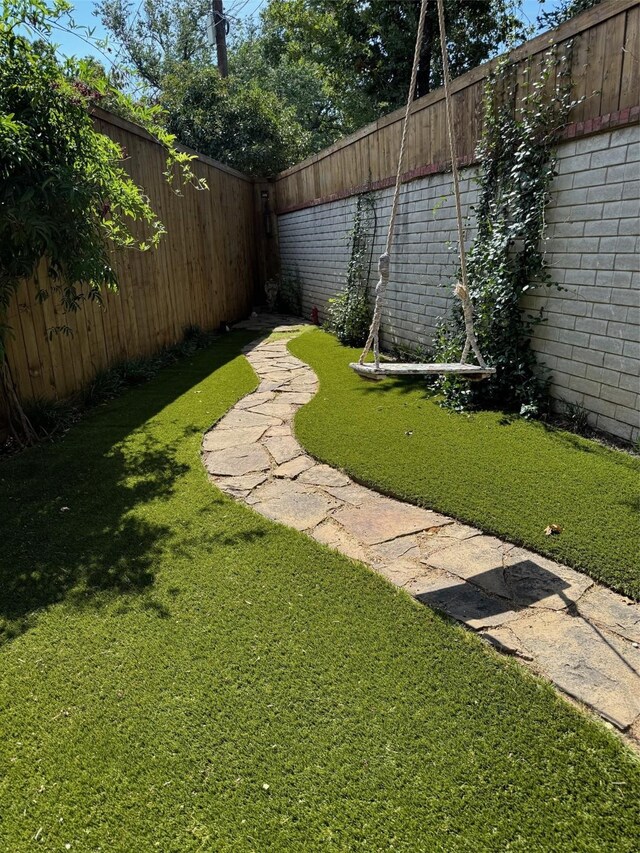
point(630, 83)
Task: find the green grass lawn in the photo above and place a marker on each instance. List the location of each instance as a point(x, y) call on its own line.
point(508, 476)
point(178, 673)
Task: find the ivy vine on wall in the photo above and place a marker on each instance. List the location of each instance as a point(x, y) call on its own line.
point(522, 122)
point(349, 310)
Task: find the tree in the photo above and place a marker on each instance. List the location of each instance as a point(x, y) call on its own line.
point(235, 121)
point(299, 84)
point(246, 119)
point(158, 34)
point(315, 70)
point(366, 49)
point(65, 197)
point(564, 11)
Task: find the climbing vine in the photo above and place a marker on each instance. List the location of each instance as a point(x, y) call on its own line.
point(506, 259)
point(349, 311)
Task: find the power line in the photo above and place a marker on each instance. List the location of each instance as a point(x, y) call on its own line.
point(236, 11)
point(75, 33)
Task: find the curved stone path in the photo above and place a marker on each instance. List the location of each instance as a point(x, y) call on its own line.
point(581, 636)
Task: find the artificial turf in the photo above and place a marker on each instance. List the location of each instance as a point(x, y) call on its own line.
point(509, 476)
point(178, 673)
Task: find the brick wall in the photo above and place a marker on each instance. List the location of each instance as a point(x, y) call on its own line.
point(591, 341)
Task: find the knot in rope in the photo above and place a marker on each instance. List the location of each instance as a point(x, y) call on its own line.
point(461, 291)
point(384, 266)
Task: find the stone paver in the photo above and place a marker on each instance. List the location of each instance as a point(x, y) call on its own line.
point(223, 438)
point(293, 467)
point(590, 664)
point(246, 482)
point(512, 573)
point(463, 601)
point(255, 399)
point(323, 475)
point(612, 611)
point(277, 410)
point(283, 448)
point(382, 518)
point(235, 461)
point(583, 637)
point(538, 582)
point(350, 494)
point(329, 532)
point(238, 419)
point(292, 503)
point(402, 546)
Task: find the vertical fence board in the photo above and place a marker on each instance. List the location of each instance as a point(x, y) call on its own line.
point(630, 83)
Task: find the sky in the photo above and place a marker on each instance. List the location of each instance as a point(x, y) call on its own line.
point(83, 15)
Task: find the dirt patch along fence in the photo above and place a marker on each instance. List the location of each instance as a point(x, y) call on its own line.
point(205, 272)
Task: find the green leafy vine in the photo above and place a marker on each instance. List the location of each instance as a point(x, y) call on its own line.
point(349, 310)
point(66, 199)
point(522, 121)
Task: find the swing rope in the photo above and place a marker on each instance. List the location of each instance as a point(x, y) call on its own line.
point(461, 289)
point(384, 261)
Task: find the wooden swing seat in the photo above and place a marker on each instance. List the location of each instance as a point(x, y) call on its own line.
point(466, 371)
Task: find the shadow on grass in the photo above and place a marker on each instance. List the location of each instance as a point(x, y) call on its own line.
point(403, 384)
point(557, 434)
point(68, 530)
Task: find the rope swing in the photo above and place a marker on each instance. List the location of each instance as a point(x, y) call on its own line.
point(461, 289)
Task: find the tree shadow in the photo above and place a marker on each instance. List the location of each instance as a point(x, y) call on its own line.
point(66, 509)
point(403, 384)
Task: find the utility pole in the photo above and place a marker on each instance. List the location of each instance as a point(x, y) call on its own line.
point(221, 28)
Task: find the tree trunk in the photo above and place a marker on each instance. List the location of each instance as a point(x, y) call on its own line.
point(423, 81)
point(20, 427)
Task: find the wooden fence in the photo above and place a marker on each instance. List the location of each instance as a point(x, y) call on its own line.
point(605, 47)
point(204, 272)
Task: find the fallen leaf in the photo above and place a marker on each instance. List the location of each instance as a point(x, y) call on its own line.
point(551, 529)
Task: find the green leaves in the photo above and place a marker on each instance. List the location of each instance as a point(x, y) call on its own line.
point(363, 50)
point(349, 311)
point(66, 199)
point(517, 165)
point(231, 120)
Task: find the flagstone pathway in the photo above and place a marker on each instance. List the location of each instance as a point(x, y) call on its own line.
point(581, 636)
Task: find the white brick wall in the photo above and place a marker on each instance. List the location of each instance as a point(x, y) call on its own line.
point(591, 340)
